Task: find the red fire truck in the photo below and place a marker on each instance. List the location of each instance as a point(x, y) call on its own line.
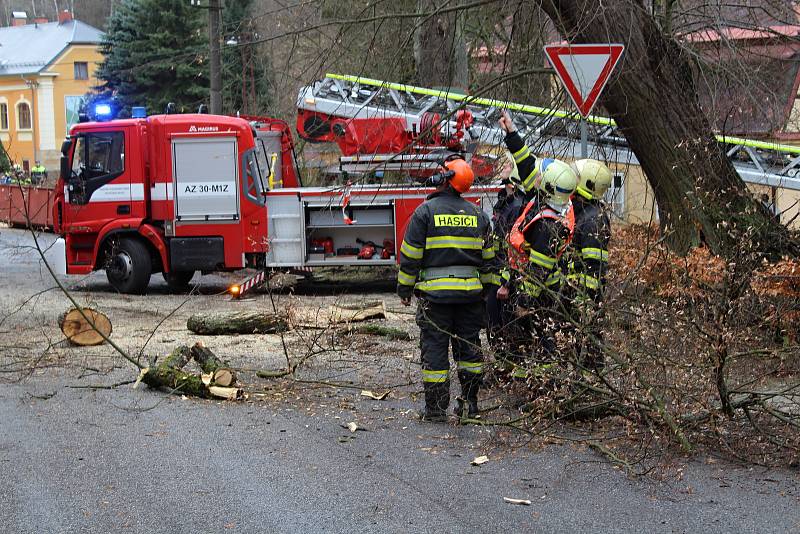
point(169, 193)
point(178, 194)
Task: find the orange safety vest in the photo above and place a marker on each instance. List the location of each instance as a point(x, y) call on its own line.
point(518, 251)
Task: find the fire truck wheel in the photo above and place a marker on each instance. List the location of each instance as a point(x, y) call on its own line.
point(178, 280)
point(129, 266)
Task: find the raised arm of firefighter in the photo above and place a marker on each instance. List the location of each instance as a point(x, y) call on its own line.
point(411, 252)
point(526, 162)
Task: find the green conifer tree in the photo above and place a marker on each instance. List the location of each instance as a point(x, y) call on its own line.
point(155, 52)
point(5, 161)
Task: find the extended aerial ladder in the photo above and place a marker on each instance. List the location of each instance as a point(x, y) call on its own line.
point(381, 125)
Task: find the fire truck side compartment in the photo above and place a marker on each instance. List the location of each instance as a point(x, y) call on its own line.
point(196, 253)
point(205, 174)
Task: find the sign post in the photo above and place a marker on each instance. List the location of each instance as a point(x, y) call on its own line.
point(584, 70)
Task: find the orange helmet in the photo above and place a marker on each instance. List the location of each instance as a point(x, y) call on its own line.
point(463, 178)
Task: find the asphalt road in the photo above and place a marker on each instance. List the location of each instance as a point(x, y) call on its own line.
point(82, 460)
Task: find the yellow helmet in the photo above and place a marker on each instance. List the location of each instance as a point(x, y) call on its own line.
point(594, 178)
point(557, 181)
point(513, 176)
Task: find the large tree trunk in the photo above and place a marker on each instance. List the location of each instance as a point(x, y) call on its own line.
point(652, 97)
point(528, 36)
point(440, 50)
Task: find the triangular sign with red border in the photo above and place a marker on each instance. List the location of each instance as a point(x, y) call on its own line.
point(584, 70)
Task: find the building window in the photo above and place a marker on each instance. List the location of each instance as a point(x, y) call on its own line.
point(23, 116)
point(81, 70)
point(3, 116)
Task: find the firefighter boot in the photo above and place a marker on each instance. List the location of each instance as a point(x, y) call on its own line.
point(467, 403)
point(437, 399)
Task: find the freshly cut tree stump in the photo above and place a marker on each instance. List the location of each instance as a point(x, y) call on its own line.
point(244, 322)
point(80, 332)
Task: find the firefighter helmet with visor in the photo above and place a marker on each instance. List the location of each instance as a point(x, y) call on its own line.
point(557, 181)
point(594, 178)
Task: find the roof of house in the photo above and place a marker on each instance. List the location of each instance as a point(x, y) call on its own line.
point(701, 15)
point(742, 34)
point(29, 49)
point(751, 95)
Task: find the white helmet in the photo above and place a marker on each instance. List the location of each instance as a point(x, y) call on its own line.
point(557, 181)
point(594, 178)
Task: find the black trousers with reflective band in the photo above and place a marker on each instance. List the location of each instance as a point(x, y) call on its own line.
point(443, 325)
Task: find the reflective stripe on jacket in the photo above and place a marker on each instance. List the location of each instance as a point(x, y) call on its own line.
point(526, 162)
point(588, 260)
point(447, 254)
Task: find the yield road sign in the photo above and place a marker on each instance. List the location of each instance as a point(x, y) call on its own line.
point(584, 70)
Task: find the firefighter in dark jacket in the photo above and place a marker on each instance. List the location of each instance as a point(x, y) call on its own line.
point(538, 238)
point(510, 201)
point(588, 260)
point(446, 260)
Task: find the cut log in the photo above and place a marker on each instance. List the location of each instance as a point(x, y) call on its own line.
point(206, 358)
point(339, 314)
point(225, 393)
point(175, 380)
point(223, 377)
point(178, 358)
point(378, 330)
point(243, 322)
point(79, 331)
point(358, 306)
point(181, 382)
point(215, 381)
point(220, 371)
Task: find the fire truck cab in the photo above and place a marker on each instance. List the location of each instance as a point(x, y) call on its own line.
point(169, 193)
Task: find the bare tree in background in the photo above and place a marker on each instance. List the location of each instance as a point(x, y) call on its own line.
point(92, 12)
point(440, 50)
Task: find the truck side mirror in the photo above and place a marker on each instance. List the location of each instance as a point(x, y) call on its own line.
point(65, 170)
